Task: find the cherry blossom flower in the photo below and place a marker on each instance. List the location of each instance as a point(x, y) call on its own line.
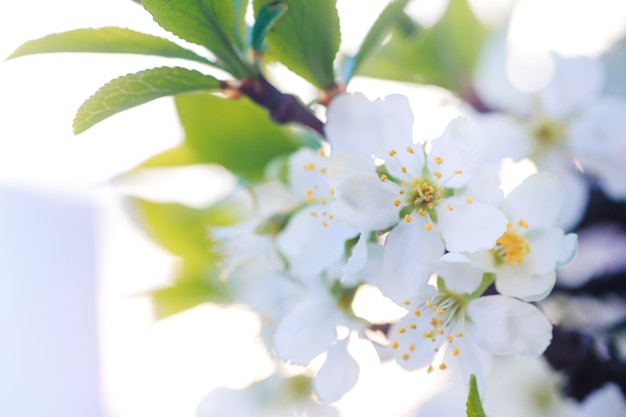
point(525, 257)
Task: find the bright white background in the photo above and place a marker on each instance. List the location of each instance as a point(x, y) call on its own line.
point(160, 369)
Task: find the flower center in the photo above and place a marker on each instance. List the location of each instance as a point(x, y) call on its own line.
point(511, 247)
point(422, 195)
point(439, 321)
point(548, 132)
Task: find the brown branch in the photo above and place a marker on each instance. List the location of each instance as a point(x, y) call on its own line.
point(283, 108)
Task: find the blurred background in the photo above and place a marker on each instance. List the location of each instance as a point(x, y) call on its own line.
point(77, 333)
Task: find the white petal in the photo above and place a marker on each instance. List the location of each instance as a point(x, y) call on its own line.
point(308, 245)
point(565, 93)
point(546, 249)
point(538, 200)
point(409, 251)
point(308, 330)
point(462, 147)
point(460, 274)
point(470, 227)
point(520, 283)
point(411, 350)
point(365, 203)
point(357, 260)
point(345, 165)
point(302, 177)
point(359, 126)
point(506, 326)
point(338, 375)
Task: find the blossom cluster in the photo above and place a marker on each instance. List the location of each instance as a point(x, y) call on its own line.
point(427, 224)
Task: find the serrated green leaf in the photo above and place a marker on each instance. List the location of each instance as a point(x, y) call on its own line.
point(107, 40)
point(443, 55)
point(306, 38)
point(210, 23)
point(265, 19)
point(389, 17)
point(134, 89)
point(474, 405)
point(236, 134)
point(195, 283)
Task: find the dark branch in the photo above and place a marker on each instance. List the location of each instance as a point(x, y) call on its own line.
point(283, 108)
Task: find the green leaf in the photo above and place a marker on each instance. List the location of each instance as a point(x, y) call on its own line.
point(474, 405)
point(239, 23)
point(215, 24)
point(306, 38)
point(134, 89)
point(390, 16)
point(195, 283)
point(174, 157)
point(265, 19)
point(236, 134)
point(444, 54)
point(107, 40)
point(184, 231)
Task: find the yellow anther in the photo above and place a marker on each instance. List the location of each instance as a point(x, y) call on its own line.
point(309, 200)
point(406, 302)
point(324, 224)
point(323, 170)
point(459, 334)
point(442, 366)
point(458, 171)
point(428, 227)
point(438, 160)
point(429, 303)
point(312, 213)
point(413, 326)
point(405, 356)
point(402, 330)
point(403, 168)
point(411, 348)
point(429, 369)
point(331, 191)
point(450, 338)
point(455, 351)
point(408, 218)
point(330, 216)
point(417, 313)
point(438, 174)
point(421, 212)
point(392, 152)
point(309, 166)
point(409, 149)
point(470, 200)
point(321, 152)
point(522, 223)
point(396, 202)
point(383, 178)
point(433, 321)
point(449, 207)
point(401, 192)
point(394, 345)
point(436, 350)
point(309, 192)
